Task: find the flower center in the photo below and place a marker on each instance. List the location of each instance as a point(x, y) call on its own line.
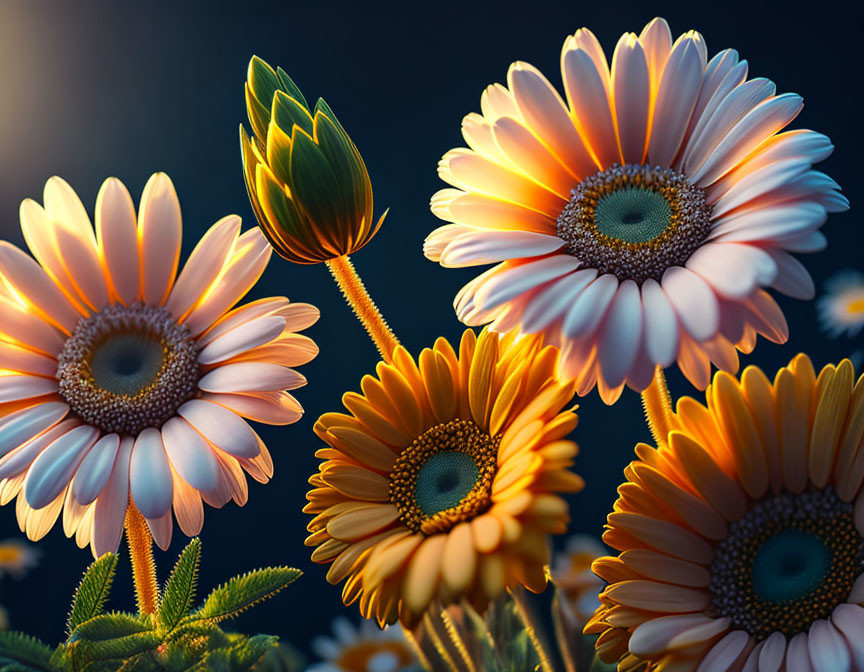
point(127, 368)
point(635, 221)
point(787, 563)
point(444, 477)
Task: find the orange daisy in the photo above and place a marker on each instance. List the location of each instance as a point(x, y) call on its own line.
point(741, 535)
point(440, 483)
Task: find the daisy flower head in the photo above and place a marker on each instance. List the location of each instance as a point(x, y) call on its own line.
point(638, 220)
point(841, 308)
point(571, 572)
point(124, 382)
point(365, 648)
point(740, 536)
point(17, 557)
point(441, 482)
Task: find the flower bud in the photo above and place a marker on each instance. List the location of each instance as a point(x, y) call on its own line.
point(306, 180)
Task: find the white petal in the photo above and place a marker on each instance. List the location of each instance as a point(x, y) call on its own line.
point(242, 338)
point(160, 231)
point(694, 301)
point(760, 123)
point(30, 281)
point(828, 650)
point(52, 470)
point(553, 301)
point(510, 283)
point(621, 334)
point(586, 88)
point(190, 454)
point(251, 377)
point(95, 470)
point(547, 117)
point(661, 324)
point(203, 265)
point(223, 428)
point(731, 102)
point(110, 507)
point(117, 233)
point(489, 247)
point(632, 89)
point(590, 306)
point(20, 426)
point(733, 270)
point(674, 104)
point(150, 475)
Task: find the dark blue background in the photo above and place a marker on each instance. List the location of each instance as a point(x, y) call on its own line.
point(94, 89)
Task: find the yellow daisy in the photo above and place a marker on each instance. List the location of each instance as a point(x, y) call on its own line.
point(123, 382)
point(440, 483)
point(741, 534)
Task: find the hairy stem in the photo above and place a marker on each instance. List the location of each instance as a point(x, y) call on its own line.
point(364, 308)
point(143, 566)
point(658, 408)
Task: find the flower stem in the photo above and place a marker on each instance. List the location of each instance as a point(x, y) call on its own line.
point(658, 408)
point(143, 566)
point(364, 308)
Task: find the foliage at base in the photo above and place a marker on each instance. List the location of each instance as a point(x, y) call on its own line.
point(178, 637)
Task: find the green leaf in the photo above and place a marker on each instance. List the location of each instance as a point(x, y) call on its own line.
point(179, 592)
point(109, 626)
point(243, 592)
point(121, 648)
point(23, 652)
point(93, 590)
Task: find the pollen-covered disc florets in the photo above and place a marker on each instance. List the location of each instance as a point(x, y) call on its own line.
point(444, 477)
point(787, 563)
point(127, 368)
point(635, 221)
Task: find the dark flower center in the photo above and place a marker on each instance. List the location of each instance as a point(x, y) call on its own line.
point(787, 563)
point(635, 221)
point(127, 368)
point(444, 477)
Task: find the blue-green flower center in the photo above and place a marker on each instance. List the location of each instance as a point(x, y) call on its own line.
point(632, 215)
point(634, 221)
point(789, 561)
point(444, 476)
point(790, 565)
point(126, 363)
point(444, 480)
point(127, 368)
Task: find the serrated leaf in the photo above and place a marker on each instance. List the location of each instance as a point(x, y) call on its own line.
point(120, 648)
point(179, 592)
point(23, 652)
point(108, 626)
point(243, 592)
point(92, 592)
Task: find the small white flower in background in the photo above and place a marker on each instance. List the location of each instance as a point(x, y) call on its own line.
point(571, 571)
point(365, 648)
point(16, 558)
point(841, 307)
